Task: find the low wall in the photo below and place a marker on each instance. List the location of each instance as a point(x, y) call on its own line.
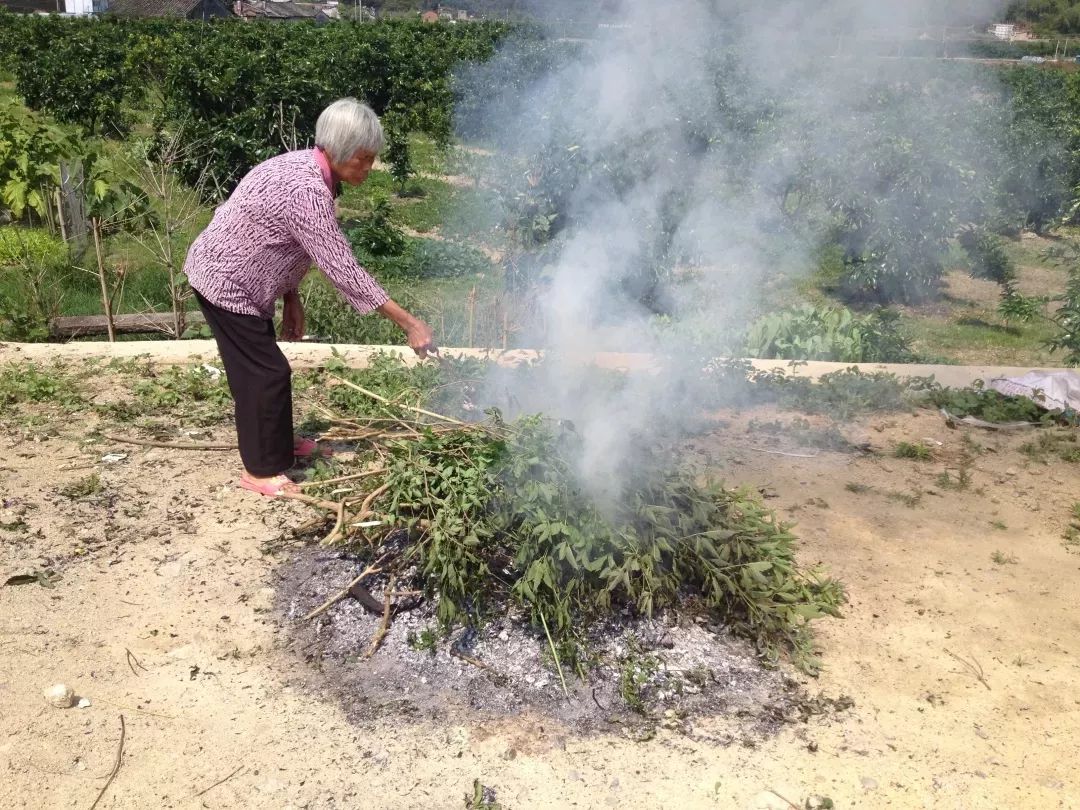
point(313, 355)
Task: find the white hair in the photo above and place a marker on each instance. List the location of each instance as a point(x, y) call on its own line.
point(347, 127)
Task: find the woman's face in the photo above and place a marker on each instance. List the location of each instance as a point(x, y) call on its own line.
point(354, 170)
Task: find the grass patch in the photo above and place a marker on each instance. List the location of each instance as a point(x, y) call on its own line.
point(913, 450)
point(1053, 444)
point(857, 488)
point(1001, 558)
point(908, 499)
point(977, 338)
point(24, 382)
point(83, 488)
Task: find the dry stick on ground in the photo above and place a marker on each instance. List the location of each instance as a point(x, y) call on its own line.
point(116, 767)
point(131, 658)
point(171, 445)
point(385, 625)
point(218, 782)
point(971, 666)
point(388, 403)
point(337, 597)
point(784, 798)
point(468, 659)
point(782, 453)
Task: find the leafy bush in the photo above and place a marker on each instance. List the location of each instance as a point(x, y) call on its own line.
point(987, 254)
point(807, 332)
point(986, 404)
point(35, 246)
point(376, 234)
point(434, 258)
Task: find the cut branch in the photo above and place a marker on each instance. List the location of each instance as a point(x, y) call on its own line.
point(341, 479)
point(385, 626)
point(389, 404)
point(374, 568)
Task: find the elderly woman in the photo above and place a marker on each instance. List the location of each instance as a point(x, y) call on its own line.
point(257, 249)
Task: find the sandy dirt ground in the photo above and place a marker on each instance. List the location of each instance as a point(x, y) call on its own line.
point(964, 672)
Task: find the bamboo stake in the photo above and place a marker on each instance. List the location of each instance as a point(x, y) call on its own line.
point(106, 299)
point(472, 317)
point(60, 216)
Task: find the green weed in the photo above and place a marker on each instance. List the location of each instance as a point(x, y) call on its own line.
point(482, 798)
point(1061, 444)
point(857, 488)
point(908, 499)
point(989, 405)
point(424, 641)
point(998, 524)
point(635, 672)
point(962, 481)
point(1000, 558)
point(83, 488)
point(25, 382)
point(917, 451)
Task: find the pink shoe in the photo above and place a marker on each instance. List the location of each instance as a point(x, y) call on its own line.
point(276, 486)
point(306, 448)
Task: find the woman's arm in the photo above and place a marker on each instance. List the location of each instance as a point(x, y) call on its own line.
point(315, 227)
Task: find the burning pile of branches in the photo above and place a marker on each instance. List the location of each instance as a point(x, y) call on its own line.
point(484, 517)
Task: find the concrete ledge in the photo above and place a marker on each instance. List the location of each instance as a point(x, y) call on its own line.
point(313, 355)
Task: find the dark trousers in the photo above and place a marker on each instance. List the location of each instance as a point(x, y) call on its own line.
point(261, 383)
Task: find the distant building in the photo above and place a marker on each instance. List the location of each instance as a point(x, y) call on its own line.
point(280, 10)
point(81, 8)
point(33, 6)
point(430, 16)
point(1005, 31)
point(177, 9)
point(71, 8)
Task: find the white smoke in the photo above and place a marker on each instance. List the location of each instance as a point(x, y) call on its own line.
point(662, 152)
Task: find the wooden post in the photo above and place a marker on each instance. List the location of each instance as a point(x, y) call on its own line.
point(472, 317)
point(106, 299)
point(60, 215)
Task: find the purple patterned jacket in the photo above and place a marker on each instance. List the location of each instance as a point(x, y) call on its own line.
point(263, 240)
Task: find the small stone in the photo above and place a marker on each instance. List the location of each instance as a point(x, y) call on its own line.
point(504, 636)
point(84, 703)
point(669, 713)
point(869, 783)
point(60, 695)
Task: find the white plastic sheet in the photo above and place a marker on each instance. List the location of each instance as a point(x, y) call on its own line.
point(1053, 390)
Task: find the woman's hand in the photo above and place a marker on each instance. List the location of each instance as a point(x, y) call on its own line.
point(421, 340)
point(417, 333)
point(292, 318)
